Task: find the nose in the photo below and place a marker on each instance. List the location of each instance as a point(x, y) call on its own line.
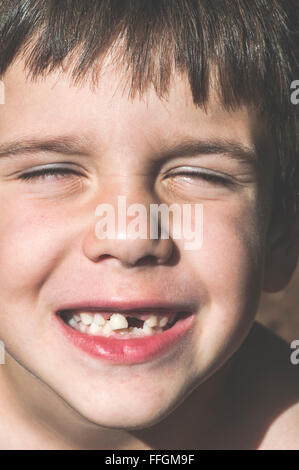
point(120, 244)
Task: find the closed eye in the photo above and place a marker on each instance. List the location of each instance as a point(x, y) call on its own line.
point(208, 176)
point(42, 173)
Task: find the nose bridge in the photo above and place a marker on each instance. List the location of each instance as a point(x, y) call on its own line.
point(132, 187)
point(122, 221)
point(125, 195)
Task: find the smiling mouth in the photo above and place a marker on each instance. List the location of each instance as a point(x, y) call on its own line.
point(122, 334)
point(121, 325)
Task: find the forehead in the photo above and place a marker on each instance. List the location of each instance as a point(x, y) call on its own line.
point(53, 104)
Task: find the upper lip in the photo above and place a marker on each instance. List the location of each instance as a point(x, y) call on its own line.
point(127, 306)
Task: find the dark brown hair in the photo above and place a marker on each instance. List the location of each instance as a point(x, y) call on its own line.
point(252, 46)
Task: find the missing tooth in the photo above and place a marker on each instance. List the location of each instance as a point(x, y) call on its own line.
point(135, 322)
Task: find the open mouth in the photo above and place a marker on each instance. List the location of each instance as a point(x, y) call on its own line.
point(124, 325)
point(124, 335)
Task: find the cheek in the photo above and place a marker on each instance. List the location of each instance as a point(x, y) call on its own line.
point(227, 273)
point(230, 255)
point(229, 265)
point(30, 245)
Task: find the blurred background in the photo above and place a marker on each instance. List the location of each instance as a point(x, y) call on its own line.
point(280, 312)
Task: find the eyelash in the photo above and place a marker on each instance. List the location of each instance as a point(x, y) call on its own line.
point(47, 171)
point(209, 177)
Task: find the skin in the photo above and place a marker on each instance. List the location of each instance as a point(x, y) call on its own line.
point(55, 396)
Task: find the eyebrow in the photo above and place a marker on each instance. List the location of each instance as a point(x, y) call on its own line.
point(72, 145)
point(64, 145)
point(195, 147)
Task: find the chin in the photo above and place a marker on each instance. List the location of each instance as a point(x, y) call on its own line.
point(122, 421)
point(129, 417)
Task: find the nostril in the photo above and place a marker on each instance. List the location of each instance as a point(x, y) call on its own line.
point(104, 256)
point(147, 260)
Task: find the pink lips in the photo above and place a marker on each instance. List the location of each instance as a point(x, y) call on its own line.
point(132, 350)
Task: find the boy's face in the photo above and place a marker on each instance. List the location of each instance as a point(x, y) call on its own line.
point(50, 256)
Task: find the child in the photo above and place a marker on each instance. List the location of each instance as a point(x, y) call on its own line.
point(123, 342)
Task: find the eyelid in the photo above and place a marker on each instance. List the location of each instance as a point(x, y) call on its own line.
point(198, 171)
point(37, 171)
point(59, 165)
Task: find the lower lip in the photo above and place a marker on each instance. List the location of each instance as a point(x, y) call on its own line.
point(129, 351)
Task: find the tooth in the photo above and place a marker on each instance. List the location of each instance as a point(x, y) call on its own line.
point(107, 328)
point(86, 318)
point(147, 329)
point(152, 321)
point(72, 322)
point(76, 317)
point(118, 321)
point(137, 330)
point(123, 331)
point(82, 327)
point(99, 319)
point(163, 322)
point(94, 329)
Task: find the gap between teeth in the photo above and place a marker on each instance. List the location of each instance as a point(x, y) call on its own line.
point(96, 324)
